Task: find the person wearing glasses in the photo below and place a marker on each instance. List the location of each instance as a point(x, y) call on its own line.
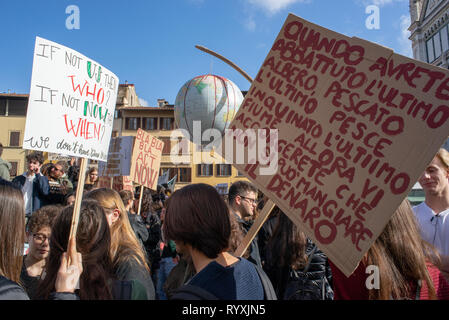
point(242, 198)
point(38, 236)
point(433, 213)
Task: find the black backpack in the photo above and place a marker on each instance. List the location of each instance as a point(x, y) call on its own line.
point(301, 287)
point(191, 292)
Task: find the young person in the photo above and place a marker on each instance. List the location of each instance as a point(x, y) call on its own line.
point(12, 236)
point(38, 234)
point(128, 257)
point(34, 185)
point(406, 265)
point(197, 219)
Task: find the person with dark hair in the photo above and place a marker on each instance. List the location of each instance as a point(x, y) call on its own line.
point(58, 191)
point(93, 240)
point(295, 265)
point(34, 185)
point(63, 168)
point(38, 234)
point(197, 219)
point(12, 236)
point(242, 197)
point(153, 224)
point(407, 265)
point(5, 166)
point(135, 220)
point(73, 175)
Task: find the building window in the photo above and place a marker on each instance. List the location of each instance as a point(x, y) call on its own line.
point(17, 107)
point(437, 45)
point(149, 123)
point(224, 170)
point(2, 107)
point(14, 139)
point(13, 170)
point(132, 123)
point(183, 147)
point(205, 170)
point(117, 114)
point(430, 52)
point(444, 39)
point(184, 175)
point(167, 145)
point(167, 123)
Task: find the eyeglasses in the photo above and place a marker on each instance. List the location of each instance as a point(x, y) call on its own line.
point(252, 201)
point(40, 238)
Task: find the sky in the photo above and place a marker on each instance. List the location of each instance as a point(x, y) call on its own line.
point(151, 43)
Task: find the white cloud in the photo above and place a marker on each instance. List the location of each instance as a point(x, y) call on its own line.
point(250, 24)
point(143, 102)
point(404, 42)
point(273, 6)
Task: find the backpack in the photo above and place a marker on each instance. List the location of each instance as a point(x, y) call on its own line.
point(300, 286)
point(191, 292)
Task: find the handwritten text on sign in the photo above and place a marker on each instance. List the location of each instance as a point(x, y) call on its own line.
point(146, 160)
point(357, 126)
point(71, 105)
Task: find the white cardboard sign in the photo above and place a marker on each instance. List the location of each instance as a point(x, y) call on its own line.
point(71, 104)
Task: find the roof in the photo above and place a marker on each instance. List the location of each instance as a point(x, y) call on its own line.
point(14, 95)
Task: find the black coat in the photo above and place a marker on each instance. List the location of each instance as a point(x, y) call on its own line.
point(318, 270)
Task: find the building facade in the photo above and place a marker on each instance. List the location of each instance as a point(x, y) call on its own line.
point(13, 109)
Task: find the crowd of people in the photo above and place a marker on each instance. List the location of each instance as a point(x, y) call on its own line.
point(160, 245)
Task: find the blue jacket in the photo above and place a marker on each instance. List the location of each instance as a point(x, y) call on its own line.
point(41, 190)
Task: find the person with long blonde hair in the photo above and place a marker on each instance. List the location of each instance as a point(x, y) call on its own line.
point(128, 257)
point(406, 264)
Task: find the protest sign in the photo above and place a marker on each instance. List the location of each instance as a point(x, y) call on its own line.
point(146, 160)
point(119, 158)
point(357, 124)
point(71, 104)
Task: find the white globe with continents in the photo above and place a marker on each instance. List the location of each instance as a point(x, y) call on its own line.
point(210, 99)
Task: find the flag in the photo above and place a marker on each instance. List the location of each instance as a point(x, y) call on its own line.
point(171, 183)
point(163, 178)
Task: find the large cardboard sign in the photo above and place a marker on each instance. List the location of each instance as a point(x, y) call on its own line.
point(119, 158)
point(357, 126)
point(71, 105)
point(146, 160)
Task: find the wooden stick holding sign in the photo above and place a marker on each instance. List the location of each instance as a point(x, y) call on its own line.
point(76, 208)
point(258, 223)
point(140, 199)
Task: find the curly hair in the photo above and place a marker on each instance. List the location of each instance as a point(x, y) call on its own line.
point(44, 217)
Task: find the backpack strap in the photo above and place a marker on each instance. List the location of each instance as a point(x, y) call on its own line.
point(191, 292)
point(269, 292)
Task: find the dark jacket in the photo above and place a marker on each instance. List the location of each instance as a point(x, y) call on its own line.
point(254, 255)
point(41, 190)
point(139, 228)
point(318, 269)
point(130, 270)
point(9, 290)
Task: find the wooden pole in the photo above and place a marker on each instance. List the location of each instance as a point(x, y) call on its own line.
point(232, 64)
point(77, 206)
point(140, 199)
point(261, 218)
